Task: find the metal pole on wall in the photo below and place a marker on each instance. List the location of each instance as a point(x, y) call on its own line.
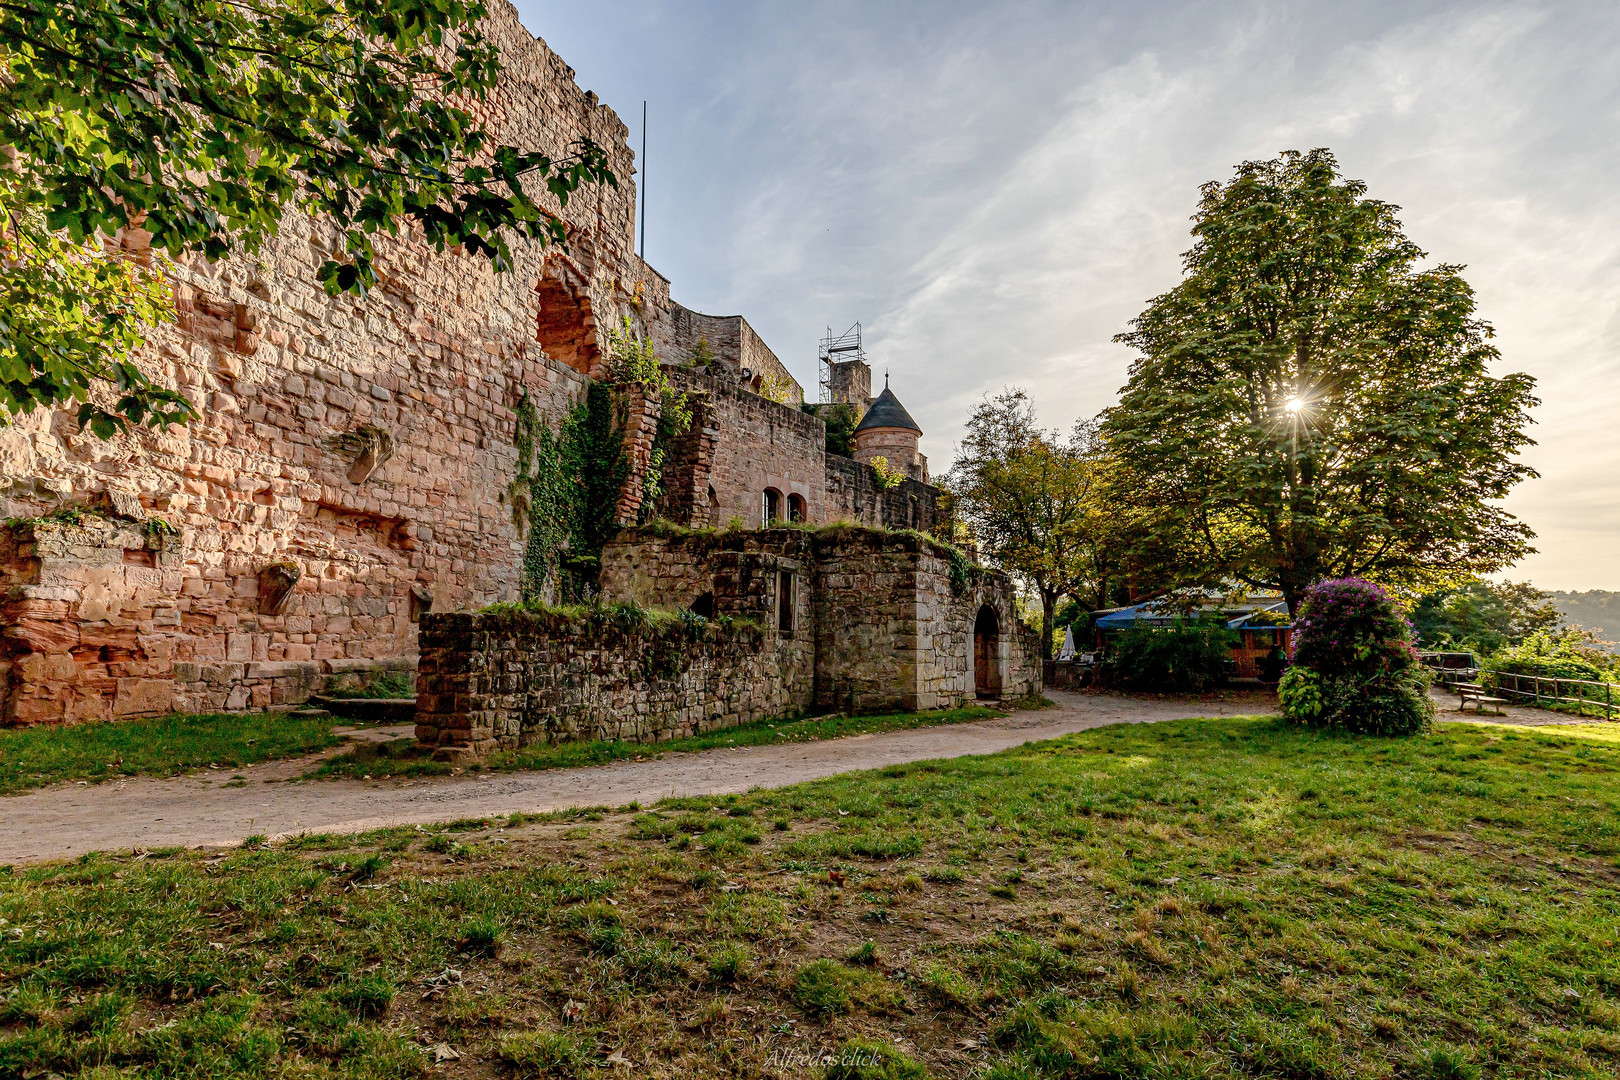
point(644, 181)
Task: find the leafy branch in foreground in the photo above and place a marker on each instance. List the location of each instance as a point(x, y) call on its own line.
point(202, 121)
point(71, 314)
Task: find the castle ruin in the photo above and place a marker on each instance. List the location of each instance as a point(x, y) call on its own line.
point(348, 476)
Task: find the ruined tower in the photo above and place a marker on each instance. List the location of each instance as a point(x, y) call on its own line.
point(845, 377)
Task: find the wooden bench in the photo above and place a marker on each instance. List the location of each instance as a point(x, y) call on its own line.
point(1474, 694)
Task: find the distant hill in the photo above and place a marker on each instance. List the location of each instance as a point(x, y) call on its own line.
point(1597, 609)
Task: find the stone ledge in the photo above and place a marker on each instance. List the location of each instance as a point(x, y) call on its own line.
point(281, 669)
point(360, 665)
point(370, 710)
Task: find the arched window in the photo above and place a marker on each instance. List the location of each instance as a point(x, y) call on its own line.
point(796, 508)
point(771, 508)
point(704, 605)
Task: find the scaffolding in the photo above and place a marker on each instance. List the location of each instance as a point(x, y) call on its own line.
point(837, 349)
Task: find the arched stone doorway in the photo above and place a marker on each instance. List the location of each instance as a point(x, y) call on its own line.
point(987, 653)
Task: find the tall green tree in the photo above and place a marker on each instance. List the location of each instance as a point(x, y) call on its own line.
point(1031, 500)
point(1310, 403)
point(203, 121)
point(1483, 615)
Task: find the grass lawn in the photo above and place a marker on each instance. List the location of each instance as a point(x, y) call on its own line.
point(32, 757)
point(1218, 898)
point(403, 757)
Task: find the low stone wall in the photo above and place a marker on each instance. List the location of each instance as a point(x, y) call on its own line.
point(880, 621)
point(501, 680)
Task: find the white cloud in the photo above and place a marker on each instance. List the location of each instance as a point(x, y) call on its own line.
point(996, 190)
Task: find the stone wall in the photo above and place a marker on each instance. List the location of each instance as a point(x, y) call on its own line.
point(500, 681)
point(735, 345)
point(750, 443)
point(366, 442)
point(948, 608)
point(887, 621)
point(897, 447)
point(894, 625)
point(852, 495)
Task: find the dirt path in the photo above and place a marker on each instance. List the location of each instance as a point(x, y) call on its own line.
point(201, 809)
point(223, 806)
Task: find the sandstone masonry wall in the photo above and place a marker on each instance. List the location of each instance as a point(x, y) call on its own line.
point(728, 575)
point(946, 616)
point(852, 495)
point(500, 681)
point(866, 626)
point(884, 623)
point(897, 446)
point(365, 442)
point(756, 444)
point(734, 343)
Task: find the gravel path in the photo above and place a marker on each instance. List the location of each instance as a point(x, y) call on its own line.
point(203, 809)
point(200, 809)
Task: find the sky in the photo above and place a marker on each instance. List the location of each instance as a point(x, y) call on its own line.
point(994, 190)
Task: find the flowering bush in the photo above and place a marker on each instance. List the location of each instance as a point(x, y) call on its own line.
point(1348, 626)
point(1353, 665)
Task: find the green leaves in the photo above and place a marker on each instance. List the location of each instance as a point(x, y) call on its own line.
point(1034, 500)
point(203, 121)
point(71, 313)
point(1307, 403)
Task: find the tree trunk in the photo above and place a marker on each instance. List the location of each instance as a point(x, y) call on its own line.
point(1048, 606)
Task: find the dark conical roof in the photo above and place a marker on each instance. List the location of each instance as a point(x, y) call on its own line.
point(887, 411)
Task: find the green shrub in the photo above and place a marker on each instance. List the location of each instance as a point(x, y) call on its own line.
point(1190, 655)
point(1351, 627)
point(1567, 654)
point(1354, 666)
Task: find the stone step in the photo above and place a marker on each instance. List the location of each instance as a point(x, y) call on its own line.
point(371, 710)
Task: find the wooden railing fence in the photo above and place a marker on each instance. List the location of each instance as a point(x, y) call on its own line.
point(1544, 690)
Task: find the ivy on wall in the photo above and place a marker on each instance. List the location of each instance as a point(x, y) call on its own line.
point(565, 492)
point(631, 359)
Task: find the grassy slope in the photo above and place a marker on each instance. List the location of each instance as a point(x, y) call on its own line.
point(31, 757)
point(404, 758)
point(1189, 899)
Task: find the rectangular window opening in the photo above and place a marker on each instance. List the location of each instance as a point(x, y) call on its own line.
point(784, 602)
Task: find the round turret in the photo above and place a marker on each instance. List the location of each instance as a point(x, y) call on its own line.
point(887, 431)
